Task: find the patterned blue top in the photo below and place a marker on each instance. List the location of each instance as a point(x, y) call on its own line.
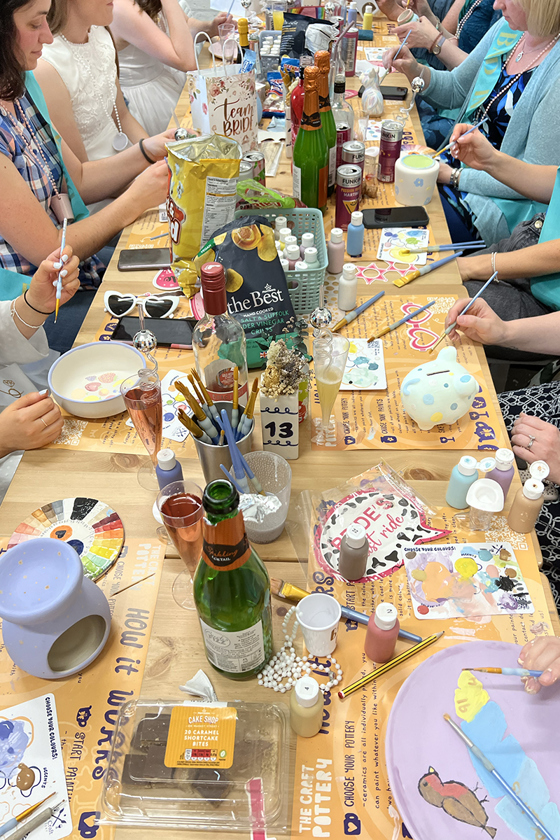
point(18, 144)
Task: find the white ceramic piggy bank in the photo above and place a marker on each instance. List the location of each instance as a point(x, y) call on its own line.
point(438, 392)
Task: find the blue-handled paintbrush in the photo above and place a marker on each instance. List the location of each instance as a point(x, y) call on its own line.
point(351, 316)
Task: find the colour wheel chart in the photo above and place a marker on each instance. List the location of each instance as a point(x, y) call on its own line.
point(91, 527)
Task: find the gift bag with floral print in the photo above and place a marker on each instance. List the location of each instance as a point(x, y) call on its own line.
point(224, 101)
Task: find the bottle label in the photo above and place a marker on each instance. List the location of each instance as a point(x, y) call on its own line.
point(225, 545)
point(235, 653)
point(323, 186)
point(296, 182)
point(312, 121)
point(332, 165)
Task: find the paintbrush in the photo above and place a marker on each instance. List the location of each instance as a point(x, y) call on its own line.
point(433, 249)
point(452, 326)
point(246, 421)
point(195, 430)
point(489, 767)
point(13, 822)
point(235, 400)
point(203, 421)
point(401, 46)
point(409, 317)
point(207, 398)
point(59, 278)
point(290, 592)
point(344, 692)
point(445, 148)
point(425, 269)
point(351, 316)
point(41, 817)
point(130, 585)
point(508, 672)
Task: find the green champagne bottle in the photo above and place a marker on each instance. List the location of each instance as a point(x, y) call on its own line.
point(231, 589)
point(311, 153)
point(323, 62)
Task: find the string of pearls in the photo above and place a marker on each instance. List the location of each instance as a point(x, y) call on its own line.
point(285, 665)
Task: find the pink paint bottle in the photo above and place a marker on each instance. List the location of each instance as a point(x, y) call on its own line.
point(503, 471)
point(381, 634)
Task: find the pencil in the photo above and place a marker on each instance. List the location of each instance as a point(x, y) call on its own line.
point(59, 279)
point(409, 317)
point(351, 316)
point(424, 269)
point(452, 326)
point(508, 672)
point(130, 585)
point(470, 131)
point(344, 692)
point(489, 767)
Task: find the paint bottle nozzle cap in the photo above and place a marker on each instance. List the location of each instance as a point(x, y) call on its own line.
point(504, 459)
point(307, 240)
point(487, 464)
point(310, 255)
point(307, 691)
point(349, 271)
point(166, 459)
point(467, 465)
point(486, 494)
point(386, 616)
point(533, 489)
point(355, 535)
point(336, 235)
point(368, 9)
point(357, 218)
point(280, 222)
point(539, 470)
point(291, 252)
point(285, 265)
point(300, 265)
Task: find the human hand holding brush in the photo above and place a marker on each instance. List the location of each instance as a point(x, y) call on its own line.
point(541, 654)
point(41, 295)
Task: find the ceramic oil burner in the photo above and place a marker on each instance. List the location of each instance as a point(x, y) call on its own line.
point(415, 179)
point(437, 392)
point(55, 620)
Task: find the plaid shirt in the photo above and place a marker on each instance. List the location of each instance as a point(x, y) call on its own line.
point(16, 146)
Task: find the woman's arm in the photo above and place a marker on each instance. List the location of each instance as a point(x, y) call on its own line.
point(532, 180)
point(59, 104)
point(534, 261)
point(451, 19)
point(424, 34)
point(132, 25)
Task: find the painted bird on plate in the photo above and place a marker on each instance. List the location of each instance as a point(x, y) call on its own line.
point(456, 799)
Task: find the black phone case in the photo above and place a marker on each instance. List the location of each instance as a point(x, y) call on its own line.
point(418, 218)
point(391, 92)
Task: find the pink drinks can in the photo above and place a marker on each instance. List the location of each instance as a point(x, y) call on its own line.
point(343, 134)
point(348, 192)
point(354, 152)
point(349, 48)
point(389, 150)
point(258, 162)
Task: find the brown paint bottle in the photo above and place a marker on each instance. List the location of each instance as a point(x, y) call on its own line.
point(352, 560)
point(526, 506)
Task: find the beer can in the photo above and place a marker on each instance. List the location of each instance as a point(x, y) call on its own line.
point(258, 161)
point(348, 192)
point(389, 150)
point(354, 152)
point(245, 170)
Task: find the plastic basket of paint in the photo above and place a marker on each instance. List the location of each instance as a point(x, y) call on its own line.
point(269, 61)
point(304, 286)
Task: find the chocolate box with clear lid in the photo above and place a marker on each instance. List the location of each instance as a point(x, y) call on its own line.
point(144, 786)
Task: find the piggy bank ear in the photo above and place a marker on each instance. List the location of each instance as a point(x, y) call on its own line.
point(465, 385)
point(448, 355)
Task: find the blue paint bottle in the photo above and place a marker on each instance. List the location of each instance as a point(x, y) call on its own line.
point(168, 469)
point(355, 235)
point(463, 475)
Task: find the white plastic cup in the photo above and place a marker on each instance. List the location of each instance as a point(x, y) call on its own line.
point(319, 617)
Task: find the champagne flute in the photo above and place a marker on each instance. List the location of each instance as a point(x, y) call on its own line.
point(142, 396)
point(330, 353)
point(180, 508)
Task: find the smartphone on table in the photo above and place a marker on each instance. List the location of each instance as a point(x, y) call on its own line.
point(169, 332)
point(387, 217)
point(393, 92)
point(144, 259)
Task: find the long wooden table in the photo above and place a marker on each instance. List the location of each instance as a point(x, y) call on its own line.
point(176, 651)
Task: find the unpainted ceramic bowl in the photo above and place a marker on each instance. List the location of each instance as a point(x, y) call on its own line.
point(86, 380)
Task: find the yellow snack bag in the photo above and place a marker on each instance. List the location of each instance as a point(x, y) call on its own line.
point(203, 173)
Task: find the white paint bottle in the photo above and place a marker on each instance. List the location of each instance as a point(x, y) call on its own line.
point(348, 288)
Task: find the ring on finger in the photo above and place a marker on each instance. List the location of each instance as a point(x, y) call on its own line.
point(532, 439)
point(43, 422)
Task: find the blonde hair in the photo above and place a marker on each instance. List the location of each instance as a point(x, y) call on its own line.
point(543, 17)
point(57, 16)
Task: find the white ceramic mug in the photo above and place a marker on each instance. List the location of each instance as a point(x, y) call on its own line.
point(319, 617)
point(415, 179)
point(408, 16)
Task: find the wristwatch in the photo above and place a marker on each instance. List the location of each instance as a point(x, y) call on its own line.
point(454, 178)
point(435, 49)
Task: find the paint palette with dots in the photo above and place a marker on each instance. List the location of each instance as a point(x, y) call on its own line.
point(466, 581)
point(100, 386)
point(91, 527)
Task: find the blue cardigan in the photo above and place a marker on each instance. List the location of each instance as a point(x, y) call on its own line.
point(532, 134)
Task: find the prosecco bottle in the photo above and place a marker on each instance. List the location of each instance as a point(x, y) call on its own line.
point(311, 153)
point(323, 62)
point(231, 589)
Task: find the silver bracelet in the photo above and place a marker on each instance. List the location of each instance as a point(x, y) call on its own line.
point(494, 270)
point(454, 178)
point(13, 311)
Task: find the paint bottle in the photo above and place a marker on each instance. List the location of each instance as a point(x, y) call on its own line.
point(463, 475)
point(291, 253)
point(348, 287)
point(367, 22)
point(355, 235)
point(306, 707)
point(335, 251)
point(352, 13)
point(307, 241)
point(503, 471)
point(381, 634)
point(310, 257)
point(290, 240)
point(279, 223)
point(526, 506)
point(352, 560)
point(301, 265)
point(168, 468)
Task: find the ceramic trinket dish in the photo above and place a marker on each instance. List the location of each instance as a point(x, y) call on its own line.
point(55, 620)
point(415, 179)
point(437, 392)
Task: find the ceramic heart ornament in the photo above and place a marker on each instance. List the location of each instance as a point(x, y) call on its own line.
point(438, 392)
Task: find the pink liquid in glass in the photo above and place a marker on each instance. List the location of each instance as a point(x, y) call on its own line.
point(145, 409)
point(182, 517)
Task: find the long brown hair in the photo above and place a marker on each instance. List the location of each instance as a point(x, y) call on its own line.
point(12, 79)
point(151, 7)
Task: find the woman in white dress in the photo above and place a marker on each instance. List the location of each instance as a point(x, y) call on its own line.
point(155, 47)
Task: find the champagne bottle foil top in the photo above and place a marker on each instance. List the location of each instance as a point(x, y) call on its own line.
point(311, 78)
point(213, 281)
point(323, 60)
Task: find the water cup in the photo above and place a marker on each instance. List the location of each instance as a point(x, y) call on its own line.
point(275, 476)
point(485, 498)
point(229, 50)
point(319, 616)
